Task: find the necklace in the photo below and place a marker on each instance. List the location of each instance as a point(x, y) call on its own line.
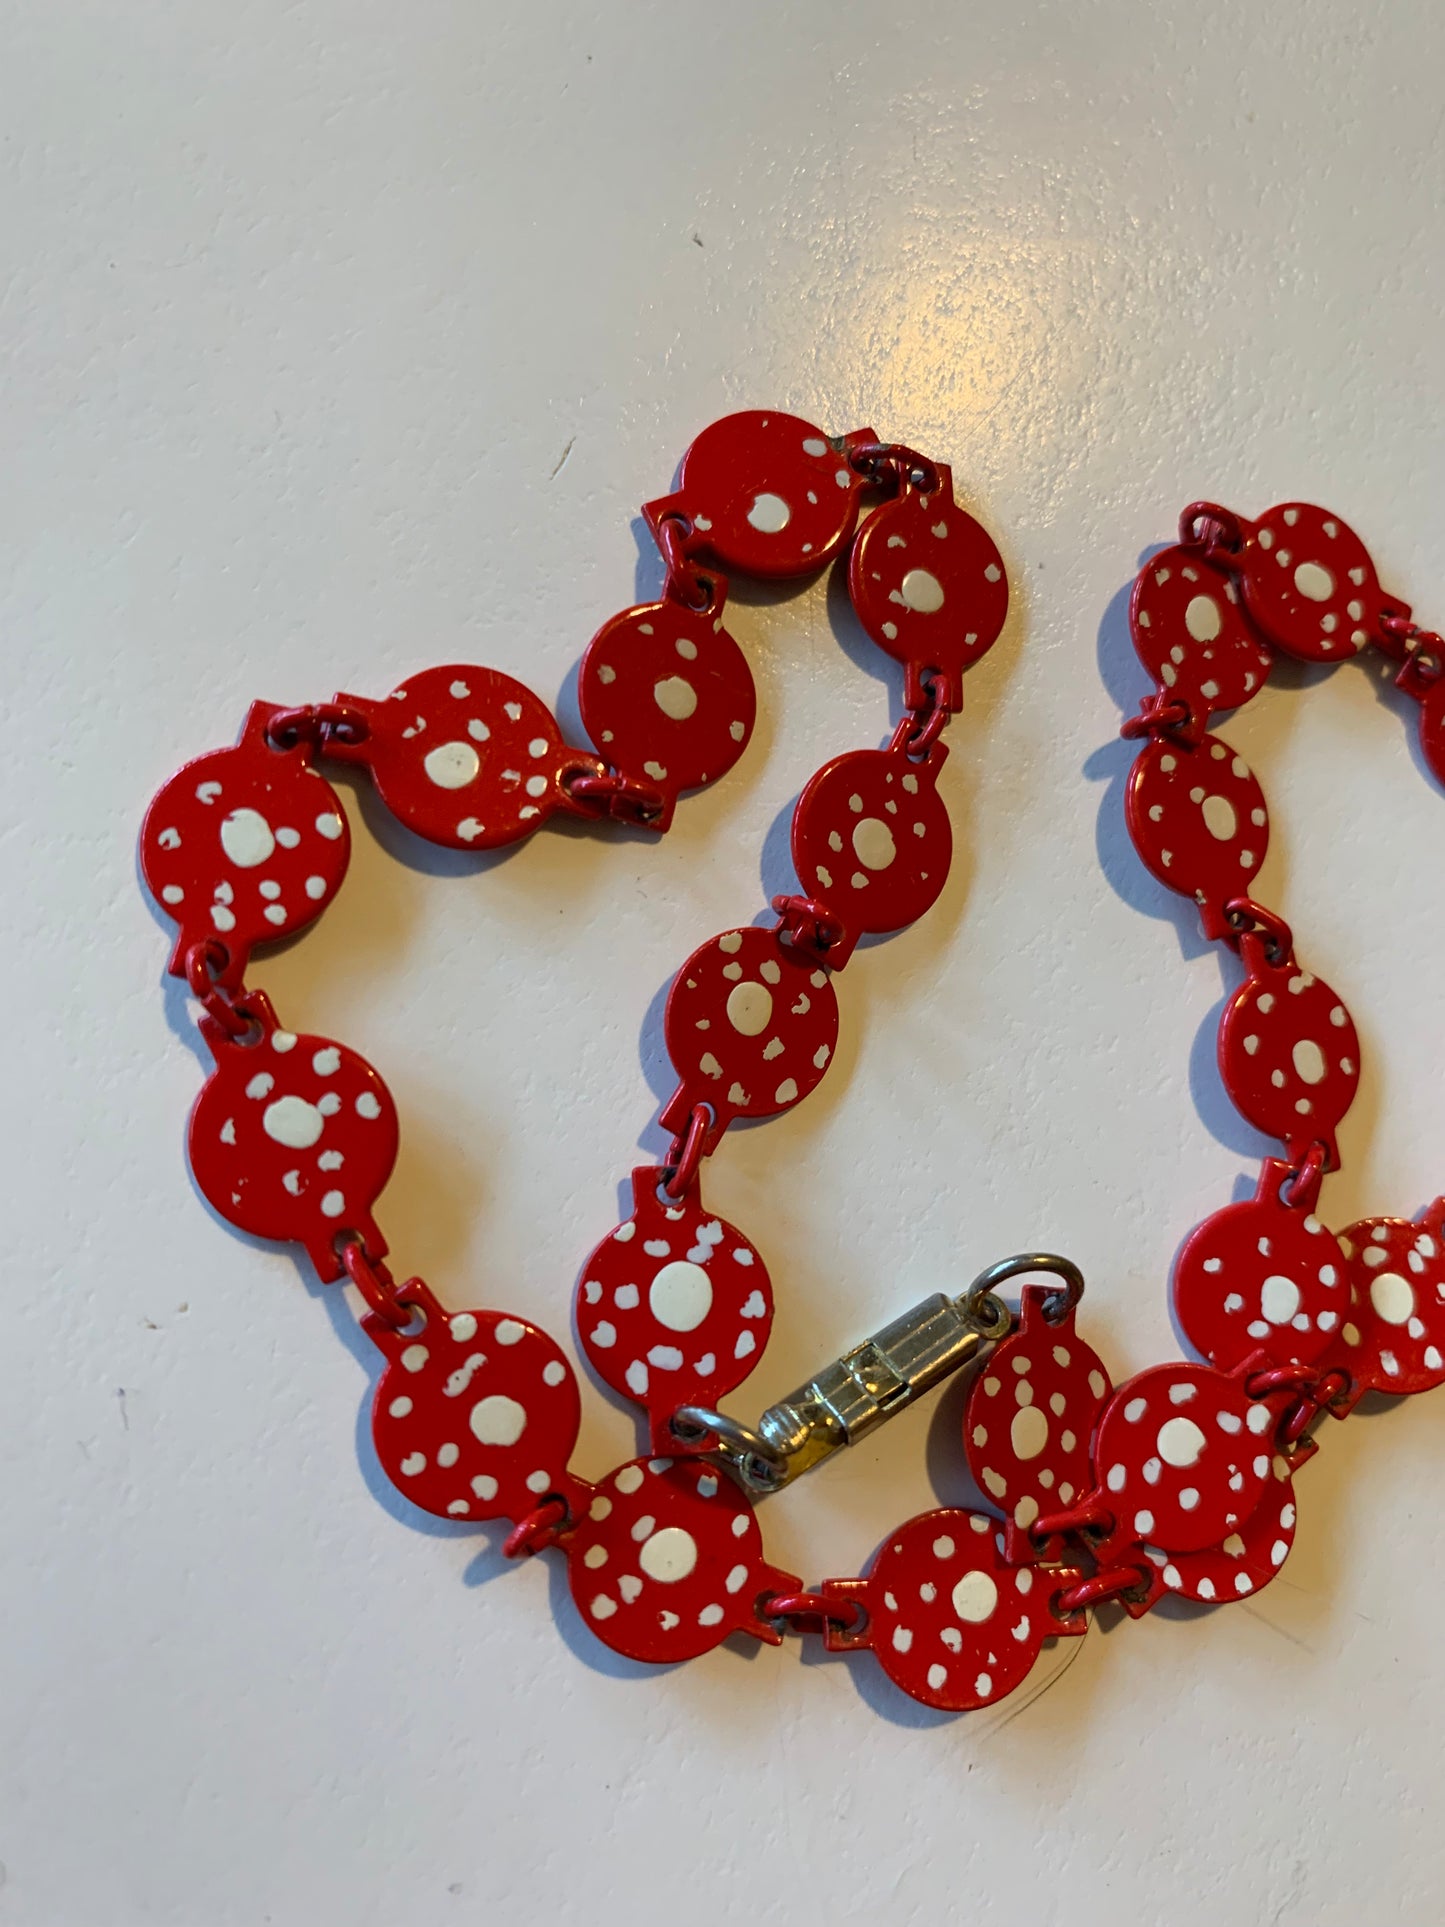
point(1181, 1479)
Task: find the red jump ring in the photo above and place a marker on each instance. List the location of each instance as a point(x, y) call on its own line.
point(685, 1154)
point(317, 724)
point(1245, 917)
point(907, 467)
point(608, 793)
point(541, 1528)
point(1090, 1515)
point(1098, 1588)
point(814, 1612)
point(1161, 715)
point(684, 582)
point(1301, 1192)
point(1208, 526)
point(205, 961)
point(809, 923)
point(376, 1285)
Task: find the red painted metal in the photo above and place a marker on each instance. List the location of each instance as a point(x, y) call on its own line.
point(1198, 819)
point(668, 1561)
point(1191, 634)
point(674, 1307)
point(244, 846)
point(949, 1620)
point(1288, 1053)
point(1309, 583)
point(293, 1137)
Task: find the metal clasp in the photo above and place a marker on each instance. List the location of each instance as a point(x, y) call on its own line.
point(854, 1394)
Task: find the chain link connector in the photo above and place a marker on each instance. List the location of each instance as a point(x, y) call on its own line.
point(376, 1284)
point(919, 729)
point(1327, 1394)
point(1419, 652)
point(808, 924)
point(685, 1154)
point(1090, 1518)
point(1118, 1582)
point(883, 462)
point(684, 581)
point(1301, 1189)
point(599, 792)
point(1208, 526)
point(814, 1612)
point(542, 1527)
point(318, 724)
point(1246, 918)
point(1163, 715)
point(1057, 1305)
point(205, 962)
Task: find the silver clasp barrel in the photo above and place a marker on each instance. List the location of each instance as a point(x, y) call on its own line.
point(854, 1394)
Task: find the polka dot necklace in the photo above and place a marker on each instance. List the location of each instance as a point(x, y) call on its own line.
point(1181, 1479)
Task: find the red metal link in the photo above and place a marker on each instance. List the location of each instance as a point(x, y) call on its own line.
point(1327, 1391)
point(1245, 918)
point(541, 1528)
point(608, 793)
point(1089, 1515)
point(1280, 1378)
point(919, 729)
point(814, 1612)
point(1098, 1588)
point(1302, 1192)
point(318, 724)
point(685, 1155)
point(908, 469)
point(205, 962)
point(376, 1284)
point(1162, 715)
point(684, 582)
point(1214, 529)
point(809, 924)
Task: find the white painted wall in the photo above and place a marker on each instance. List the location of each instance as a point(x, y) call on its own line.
point(343, 338)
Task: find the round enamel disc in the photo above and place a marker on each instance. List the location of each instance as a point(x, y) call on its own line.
point(463, 756)
point(674, 1306)
point(1030, 1418)
point(666, 694)
point(1432, 728)
point(1393, 1339)
point(751, 1025)
point(293, 1138)
point(244, 845)
point(928, 583)
point(1197, 817)
point(1309, 583)
point(476, 1415)
point(872, 839)
point(1191, 634)
point(1259, 1276)
point(769, 493)
point(1246, 1561)
point(950, 1622)
point(668, 1561)
point(1182, 1456)
point(1289, 1057)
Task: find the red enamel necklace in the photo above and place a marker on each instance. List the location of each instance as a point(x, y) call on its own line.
point(1179, 1480)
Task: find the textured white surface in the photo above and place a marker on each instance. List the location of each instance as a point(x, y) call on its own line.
point(344, 338)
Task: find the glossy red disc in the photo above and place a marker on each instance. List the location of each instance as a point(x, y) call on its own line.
point(751, 1025)
point(1289, 1054)
point(674, 1307)
point(1030, 1419)
point(1191, 633)
point(1198, 819)
point(928, 585)
point(769, 494)
point(463, 756)
point(1432, 728)
point(1182, 1457)
point(1261, 1276)
point(872, 840)
point(667, 696)
point(1393, 1339)
point(668, 1561)
point(951, 1623)
point(244, 845)
point(293, 1137)
point(1245, 1562)
point(1309, 583)
point(476, 1414)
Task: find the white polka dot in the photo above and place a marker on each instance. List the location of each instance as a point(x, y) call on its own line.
point(1314, 581)
point(1202, 618)
point(1219, 817)
point(750, 1008)
point(680, 1296)
point(414, 1357)
point(873, 843)
point(1180, 1441)
point(498, 1420)
point(329, 825)
point(1279, 1299)
point(974, 1597)
point(769, 514)
point(669, 1555)
point(1029, 1433)
point(922, 591)
point(675, 697)
point(368, 1105)
point(451, 766)
point(332, 1205)
point(293, 1122)
point(1392, 1296)
point(246, 838)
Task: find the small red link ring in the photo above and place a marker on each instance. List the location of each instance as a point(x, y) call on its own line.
point(809, 923)
point(1245, 918)
point(541, 1528)
point(1091, 1515)
point(204, 963)
point(1302, 1191)
point(1281, 1378)
point(376, 1285)
point(609, 793)
point(685, 582)
point(1162, 715)
point(317, 724)
point(685, 1155)
point(905, 464)
point(1098, 1588)
point(1221, 528)
point(814, 1612)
